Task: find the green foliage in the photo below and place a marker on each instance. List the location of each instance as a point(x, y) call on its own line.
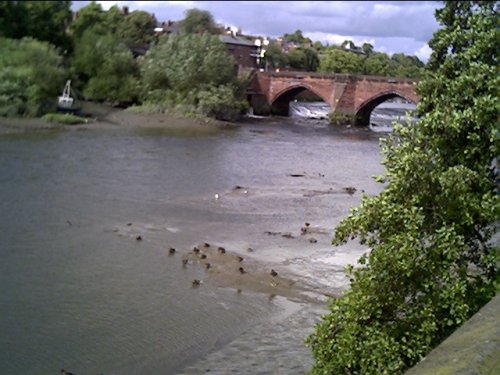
point(275, 56)
point(220, 103)
point(296, 37)
point(13, 19)
point(186, 62)
point(137, 28)
point(198, 21)
point(318, 46)
point(43, 20)
point(367, 61)
point(367, 48)
point(191, 73)
point(431, 265)
point(336, 60)
point(377, 64)
point(303, 59)
point(111, 21)
point(64, 118)
point(339, 118)
point(91, 16)
point(402, 65)
point(31, 77)
point(108, 67)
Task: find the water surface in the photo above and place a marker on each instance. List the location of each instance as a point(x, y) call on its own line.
point(81, 293)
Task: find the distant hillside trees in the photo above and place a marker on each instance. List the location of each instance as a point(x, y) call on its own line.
point(337, 60)
point(303, 59)
point(296, 52)
point(275, 57)
point(364, 60)
point(296, 37)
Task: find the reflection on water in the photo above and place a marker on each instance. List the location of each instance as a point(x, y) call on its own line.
point(80, 292)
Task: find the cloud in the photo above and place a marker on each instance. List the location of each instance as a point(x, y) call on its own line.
point(385, 10)
point(336, 38)
point(424, 52)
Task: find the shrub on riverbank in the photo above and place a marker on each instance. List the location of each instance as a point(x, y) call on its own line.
point(31, 77)
point(339, 118)
point(431, 264)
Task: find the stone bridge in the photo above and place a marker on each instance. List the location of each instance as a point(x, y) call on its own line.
point(352, 95)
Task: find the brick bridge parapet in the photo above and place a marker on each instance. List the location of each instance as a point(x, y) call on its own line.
point(354, 95)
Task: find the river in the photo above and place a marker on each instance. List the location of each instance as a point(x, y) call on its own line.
point(80, 292)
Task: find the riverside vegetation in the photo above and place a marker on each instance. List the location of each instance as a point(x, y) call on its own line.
point(42, 45)
point(431, 264)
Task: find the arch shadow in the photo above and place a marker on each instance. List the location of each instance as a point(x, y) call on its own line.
point(362, 115)
point(281, 104)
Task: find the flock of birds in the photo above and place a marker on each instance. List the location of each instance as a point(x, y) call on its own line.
point(201, 255)
point(221, 250)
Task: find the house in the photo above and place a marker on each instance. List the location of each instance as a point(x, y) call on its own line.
point(169, 27)
point(244, 52)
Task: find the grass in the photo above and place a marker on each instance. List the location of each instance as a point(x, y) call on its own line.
point(64, 118)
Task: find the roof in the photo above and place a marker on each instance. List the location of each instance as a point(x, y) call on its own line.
point(228, 39)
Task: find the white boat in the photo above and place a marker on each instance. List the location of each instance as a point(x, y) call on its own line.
point(66, 102)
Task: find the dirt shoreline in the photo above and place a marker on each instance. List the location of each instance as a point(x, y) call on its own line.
point(103, 117)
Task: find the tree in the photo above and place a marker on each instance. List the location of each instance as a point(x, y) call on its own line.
point(194, 71)
point(296, 37)
point(348, 44)
point(304, 59)
point(198, 21)
point(117, 79)
point(91, 16)
point(275, 56)
point(377, 64)
point(186, 62)
point(106, 68)
point(401, 65)
point(431, 265)
point(13, 19)
point(43, 20)
point(318, 46)
point(367, 48)
point(31, 77)
point(113, 19)
point(137, 28)
point(336, 60)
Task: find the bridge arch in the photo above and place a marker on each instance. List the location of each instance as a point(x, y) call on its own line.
point(280, 103)
point(363, 111)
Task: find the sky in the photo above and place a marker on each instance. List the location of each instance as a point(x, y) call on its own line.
point(390, 26)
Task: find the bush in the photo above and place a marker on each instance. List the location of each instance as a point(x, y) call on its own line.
point(220, 103)
point(31, 77)
point(339, 118)
point(431, 264)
